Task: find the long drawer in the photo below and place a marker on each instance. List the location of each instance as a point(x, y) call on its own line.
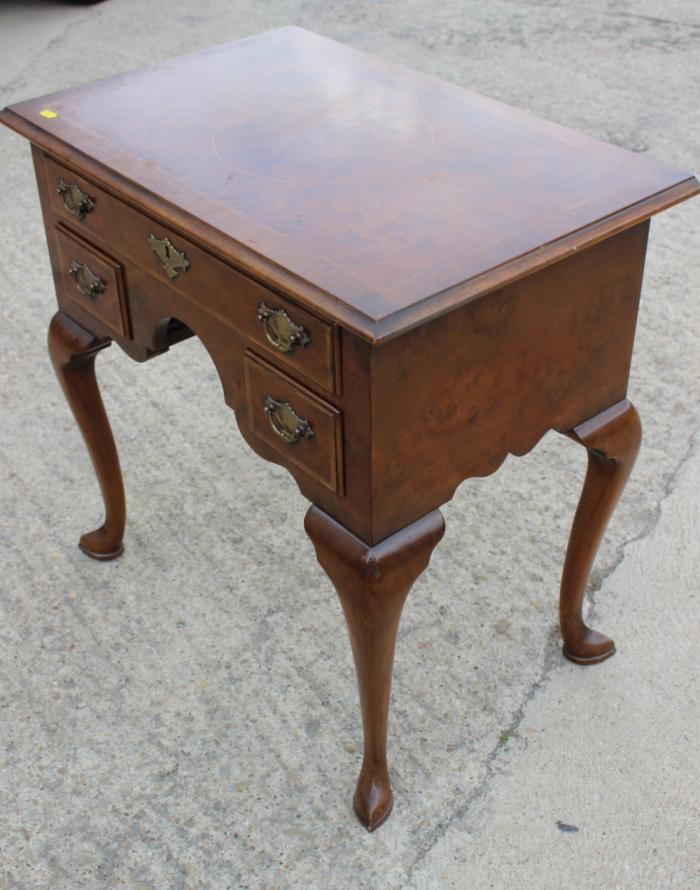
point(290, 332)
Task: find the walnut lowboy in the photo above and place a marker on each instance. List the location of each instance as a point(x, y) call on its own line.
point(396, 296)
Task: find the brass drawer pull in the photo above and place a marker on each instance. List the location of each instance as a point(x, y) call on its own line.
point(285, 421)
point(89, 284)
point(75, 200)
point(172, 259)
point(280, 330)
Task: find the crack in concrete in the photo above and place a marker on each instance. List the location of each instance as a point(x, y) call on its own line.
point(654, 21)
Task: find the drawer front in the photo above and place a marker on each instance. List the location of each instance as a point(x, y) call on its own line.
point(94, 280)
point(291, 333)
point(307, 431)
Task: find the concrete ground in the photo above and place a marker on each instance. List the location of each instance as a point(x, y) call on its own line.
point(186, 717)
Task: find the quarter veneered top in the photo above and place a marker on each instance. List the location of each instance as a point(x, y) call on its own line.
point(388, 195)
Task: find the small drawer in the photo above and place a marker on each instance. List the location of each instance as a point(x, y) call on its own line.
point(94, 280)
point(307, 431)
point(290, 332)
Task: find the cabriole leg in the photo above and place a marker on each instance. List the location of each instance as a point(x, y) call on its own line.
point(372, 583)
point(73, 351)
point(612, 440)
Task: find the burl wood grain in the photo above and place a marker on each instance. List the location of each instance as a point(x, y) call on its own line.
point(453, 398)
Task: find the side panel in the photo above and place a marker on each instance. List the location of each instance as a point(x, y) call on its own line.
point(453, 398)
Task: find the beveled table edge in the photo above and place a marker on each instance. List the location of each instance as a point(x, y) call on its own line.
point(319, 301)
point(440, 303)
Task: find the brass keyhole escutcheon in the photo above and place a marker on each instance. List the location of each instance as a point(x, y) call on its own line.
point(75, 200)
point(89, 284)
point(280, 330)
point(172, 259)
point(285, 421)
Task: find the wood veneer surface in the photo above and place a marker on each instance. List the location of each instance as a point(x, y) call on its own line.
point(389, 197)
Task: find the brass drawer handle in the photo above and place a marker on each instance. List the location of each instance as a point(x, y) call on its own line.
point(280, 330)
point(89, 284)
point(75, 200)
point(285, 421)
point(172, 259)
